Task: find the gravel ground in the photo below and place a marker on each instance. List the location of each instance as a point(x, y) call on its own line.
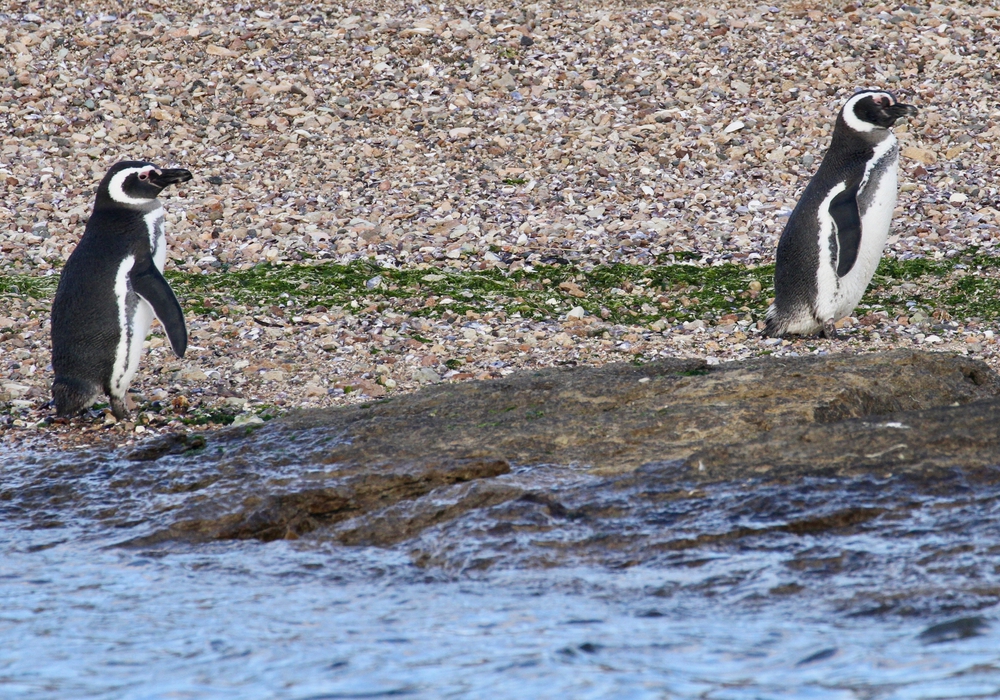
point(465, 137)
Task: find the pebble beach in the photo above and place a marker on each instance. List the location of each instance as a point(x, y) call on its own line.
point(457, 140)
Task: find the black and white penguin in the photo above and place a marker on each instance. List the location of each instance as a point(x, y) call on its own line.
point(110, 289)
point(834, 237)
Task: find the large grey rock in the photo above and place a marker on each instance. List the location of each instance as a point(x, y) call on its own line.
point(575, 446)
point(617, 417)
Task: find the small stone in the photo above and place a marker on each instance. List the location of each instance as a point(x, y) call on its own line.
point(213, 50)
point(919, 154)
point(956, 151)
point(419, 27)
point(506, 81)
point(741, 88)
point(572, 288)
point(191, 375)
point(247, 419)
point(576, 312)
point(313, 390)
point(13, 390)
point(426, 375)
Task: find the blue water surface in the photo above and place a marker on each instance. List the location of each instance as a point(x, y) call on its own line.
point(81, 619)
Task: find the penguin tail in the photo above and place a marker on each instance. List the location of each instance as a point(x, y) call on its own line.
point(72, 395)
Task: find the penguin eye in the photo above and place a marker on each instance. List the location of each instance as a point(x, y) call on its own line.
point(144, 176)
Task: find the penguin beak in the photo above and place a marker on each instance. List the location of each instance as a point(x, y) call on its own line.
point(163, 178)
point(899, 111)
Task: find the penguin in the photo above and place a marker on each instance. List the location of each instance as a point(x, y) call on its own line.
point(110, 289)
point(832, 243)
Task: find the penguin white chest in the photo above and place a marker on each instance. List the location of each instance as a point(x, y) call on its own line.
point(838, 296)
point(157, 239)
point(876, 202)
point(135, 315)
point(126, 356)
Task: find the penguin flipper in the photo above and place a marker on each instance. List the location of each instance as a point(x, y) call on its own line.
point(151, 285)
point(847, 216)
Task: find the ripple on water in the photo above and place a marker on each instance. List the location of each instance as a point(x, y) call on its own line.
point(820, 588)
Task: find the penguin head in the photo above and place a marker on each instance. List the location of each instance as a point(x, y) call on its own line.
point(873, 111)
point(134, 183)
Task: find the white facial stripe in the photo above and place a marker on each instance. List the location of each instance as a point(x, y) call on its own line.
point(115, 186)
point(851, 119)
point(119, 378)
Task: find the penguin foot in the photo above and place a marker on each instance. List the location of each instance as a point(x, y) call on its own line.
point(118, 408)
point(829, 330)
point(71, 396)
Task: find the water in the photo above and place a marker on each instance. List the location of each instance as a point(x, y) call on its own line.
point(735, 593)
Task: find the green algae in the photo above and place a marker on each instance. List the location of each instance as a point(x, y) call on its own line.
point(964, 287)
point(618, 293)
point(28, 286)
point(213, 415)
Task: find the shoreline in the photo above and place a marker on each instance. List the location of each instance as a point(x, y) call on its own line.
point(257, 363)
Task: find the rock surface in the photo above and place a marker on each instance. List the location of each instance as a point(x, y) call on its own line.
point(558, 448)
point(614, 418)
